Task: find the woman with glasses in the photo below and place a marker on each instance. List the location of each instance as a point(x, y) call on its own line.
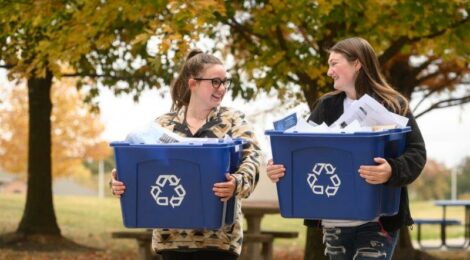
point(355, 70)
point(196, 112)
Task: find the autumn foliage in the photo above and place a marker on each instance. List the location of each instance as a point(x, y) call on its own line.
point(76, 133)
point(433, 183)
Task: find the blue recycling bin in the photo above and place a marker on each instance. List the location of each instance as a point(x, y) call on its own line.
point(322, 180)
point(170, 185)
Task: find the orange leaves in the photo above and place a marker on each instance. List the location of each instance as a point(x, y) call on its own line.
point(14, 130)
point(75, 131)
point(433, 183)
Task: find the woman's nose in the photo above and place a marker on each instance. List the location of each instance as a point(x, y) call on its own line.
point(221, 89)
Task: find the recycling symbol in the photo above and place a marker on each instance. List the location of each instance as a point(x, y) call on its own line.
point(173, 181)
point(328, 169)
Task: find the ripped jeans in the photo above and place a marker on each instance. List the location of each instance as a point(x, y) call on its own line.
point(366, 241)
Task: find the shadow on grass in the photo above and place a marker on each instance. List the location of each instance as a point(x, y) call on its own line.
point(42, 243)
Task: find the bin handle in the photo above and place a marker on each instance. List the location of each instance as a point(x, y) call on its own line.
point(238, 147)
point(224, 212)
point(395, 136)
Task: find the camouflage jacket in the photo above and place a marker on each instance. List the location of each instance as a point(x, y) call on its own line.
point(221, 121)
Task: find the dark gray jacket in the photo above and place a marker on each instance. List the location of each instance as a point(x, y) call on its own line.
point(405, 168)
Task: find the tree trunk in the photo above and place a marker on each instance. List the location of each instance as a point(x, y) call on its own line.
point(402, 76)
point(405, 249)
point(38, 216)
point(314, 247)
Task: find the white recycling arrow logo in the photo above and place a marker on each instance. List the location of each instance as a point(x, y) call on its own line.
point(174, 182)
point(328, 169)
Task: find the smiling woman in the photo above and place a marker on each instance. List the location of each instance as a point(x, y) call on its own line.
point(355, 69)
point(196, 111)
point(206, 94)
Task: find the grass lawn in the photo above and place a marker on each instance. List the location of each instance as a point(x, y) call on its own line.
point(428, 210)
point(420, 209)
point(89, 221)
point(85, 220)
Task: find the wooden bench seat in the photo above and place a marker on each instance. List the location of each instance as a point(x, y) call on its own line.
point(281, 234)
point(248, 238)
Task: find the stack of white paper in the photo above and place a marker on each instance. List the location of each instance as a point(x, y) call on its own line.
point(368, 112)
point(152, 133)
point(364, 115)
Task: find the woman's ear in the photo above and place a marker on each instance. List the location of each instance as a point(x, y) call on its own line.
point(357, 65)
point(192, 83)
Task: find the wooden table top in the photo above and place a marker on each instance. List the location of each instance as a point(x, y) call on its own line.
point(260, 207)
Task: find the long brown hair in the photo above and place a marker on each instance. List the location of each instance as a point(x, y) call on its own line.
point(370, 80)
point(192, 67)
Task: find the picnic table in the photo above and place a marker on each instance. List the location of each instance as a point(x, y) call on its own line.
point(456, 203)
point(143, 239)
point(254, 236)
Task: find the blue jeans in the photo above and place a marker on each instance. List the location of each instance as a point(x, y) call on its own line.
point(367, 241)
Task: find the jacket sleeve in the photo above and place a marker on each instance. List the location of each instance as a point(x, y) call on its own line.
point(407, 167)
point(318, 113)
point(247, 175)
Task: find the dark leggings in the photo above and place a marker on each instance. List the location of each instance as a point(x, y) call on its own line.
point(198, 255)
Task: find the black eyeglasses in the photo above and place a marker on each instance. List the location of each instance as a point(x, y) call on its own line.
point(216, 82)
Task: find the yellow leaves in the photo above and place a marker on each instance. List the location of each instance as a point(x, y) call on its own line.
point(141, 38)
point(276, 58)
point(165, 46)
point(98, 151)
point(371, 13)
point(209, 4)
point(326, 6)
point(75, 132)
point(103, 42)
point(174, 37)
point(318, 73)
point(14, 130)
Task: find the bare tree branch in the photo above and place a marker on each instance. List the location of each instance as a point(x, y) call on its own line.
point(427, 95)
point(303, 30)
point(245, 31)
point(280, 38)
point(427, 77)
point(6, 66)
point(296, 81)
point(92, 75)
point(443, 84)
point(423, 66)
point(445, 103)
point(392, 50)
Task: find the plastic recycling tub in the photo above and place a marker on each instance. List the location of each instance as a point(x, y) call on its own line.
point(170, 185)
point(322, 180)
